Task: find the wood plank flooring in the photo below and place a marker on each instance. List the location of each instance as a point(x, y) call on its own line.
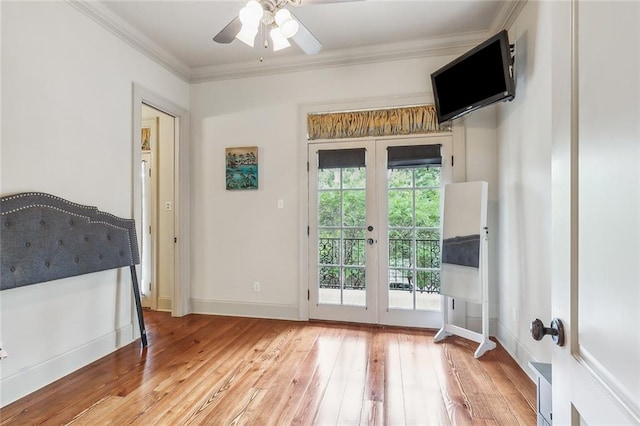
point(216, 370)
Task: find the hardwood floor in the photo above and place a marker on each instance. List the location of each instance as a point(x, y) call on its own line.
point(216, 370)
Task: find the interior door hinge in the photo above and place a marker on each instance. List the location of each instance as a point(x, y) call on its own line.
point(452, 161)
point(175, 239)
point(308, 231)
point(308, 294)
point(307, 166)
point(149, 229)
point(149, 172)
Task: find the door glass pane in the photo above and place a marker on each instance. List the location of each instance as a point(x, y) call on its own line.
point(354, 178)
point(353, 202)
point(329, 209)
point(428, 177)
point(414, 237)
point(341, 236)
point(427, 208)
point(400, 208)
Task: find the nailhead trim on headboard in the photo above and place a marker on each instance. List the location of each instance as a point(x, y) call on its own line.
point(74, 214)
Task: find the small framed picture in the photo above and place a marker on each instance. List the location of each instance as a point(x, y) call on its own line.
point(146, 138)
point(242, 167)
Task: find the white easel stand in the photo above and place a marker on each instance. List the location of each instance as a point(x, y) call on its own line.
point(483, 338)
point(450, 329)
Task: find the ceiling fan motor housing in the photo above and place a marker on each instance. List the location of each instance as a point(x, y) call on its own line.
point(270, 8)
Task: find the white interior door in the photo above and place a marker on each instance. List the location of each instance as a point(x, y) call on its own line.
point(596, 212)
point(146, 258)
point(149, 210)
point(375, 211)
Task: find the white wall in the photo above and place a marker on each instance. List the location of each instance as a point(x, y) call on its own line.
point(241, 237)
point(67, 130)
point(524, 200)
point(482, 154)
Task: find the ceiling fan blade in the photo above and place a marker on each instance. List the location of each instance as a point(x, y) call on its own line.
point(229, 33)
point(305, 40)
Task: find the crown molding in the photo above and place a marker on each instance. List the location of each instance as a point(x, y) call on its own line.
point(507, 14)
point(336, 58)
point(452, 45)
point(131, 36)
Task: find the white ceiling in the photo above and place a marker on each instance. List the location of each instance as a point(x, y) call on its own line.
point(178, 33)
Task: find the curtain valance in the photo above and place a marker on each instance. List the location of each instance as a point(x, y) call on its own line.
point(380, 122)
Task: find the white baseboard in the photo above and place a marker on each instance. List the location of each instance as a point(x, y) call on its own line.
point(243, 309)
point(516, 349)
point(126, 335)
point(37, 376)
point(165, 304)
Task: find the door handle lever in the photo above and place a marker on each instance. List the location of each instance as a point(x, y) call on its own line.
point(538, 330)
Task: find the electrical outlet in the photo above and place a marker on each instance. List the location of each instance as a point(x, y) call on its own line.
point(256, 286)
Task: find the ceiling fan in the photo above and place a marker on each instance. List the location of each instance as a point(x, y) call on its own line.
point(272, 18)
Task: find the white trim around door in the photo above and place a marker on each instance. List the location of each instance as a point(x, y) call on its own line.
point(142, 95)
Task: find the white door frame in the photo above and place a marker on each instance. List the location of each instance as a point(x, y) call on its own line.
point(459, 171)
point(142, 95)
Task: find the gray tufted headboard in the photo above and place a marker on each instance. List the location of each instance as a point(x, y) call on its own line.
point(45, 238)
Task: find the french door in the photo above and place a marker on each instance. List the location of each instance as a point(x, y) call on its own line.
point(374, 229)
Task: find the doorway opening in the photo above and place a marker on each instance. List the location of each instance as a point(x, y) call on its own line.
point(157, 218)
point(167, 208)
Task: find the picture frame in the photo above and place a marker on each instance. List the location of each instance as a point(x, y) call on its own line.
point(145, 138)
point(241, 168)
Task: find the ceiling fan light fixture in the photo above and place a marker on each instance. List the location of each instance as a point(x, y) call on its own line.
point(288, 25)
point(279, 41)
point(281, 16)
point(247, 35)
point(289, 28)
point(265, 15)
point(251, 14)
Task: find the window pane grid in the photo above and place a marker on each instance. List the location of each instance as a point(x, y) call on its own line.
point(341, 242)
point(414, 234)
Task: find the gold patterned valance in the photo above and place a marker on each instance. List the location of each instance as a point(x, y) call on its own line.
point(379, 122)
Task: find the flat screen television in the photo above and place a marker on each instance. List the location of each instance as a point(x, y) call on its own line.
point(478, 78)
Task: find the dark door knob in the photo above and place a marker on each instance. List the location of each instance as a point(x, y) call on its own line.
point(538, 330)
point(369, 228)
point(370, 241)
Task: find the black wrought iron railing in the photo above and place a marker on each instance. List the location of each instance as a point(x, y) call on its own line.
point(413, 264)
